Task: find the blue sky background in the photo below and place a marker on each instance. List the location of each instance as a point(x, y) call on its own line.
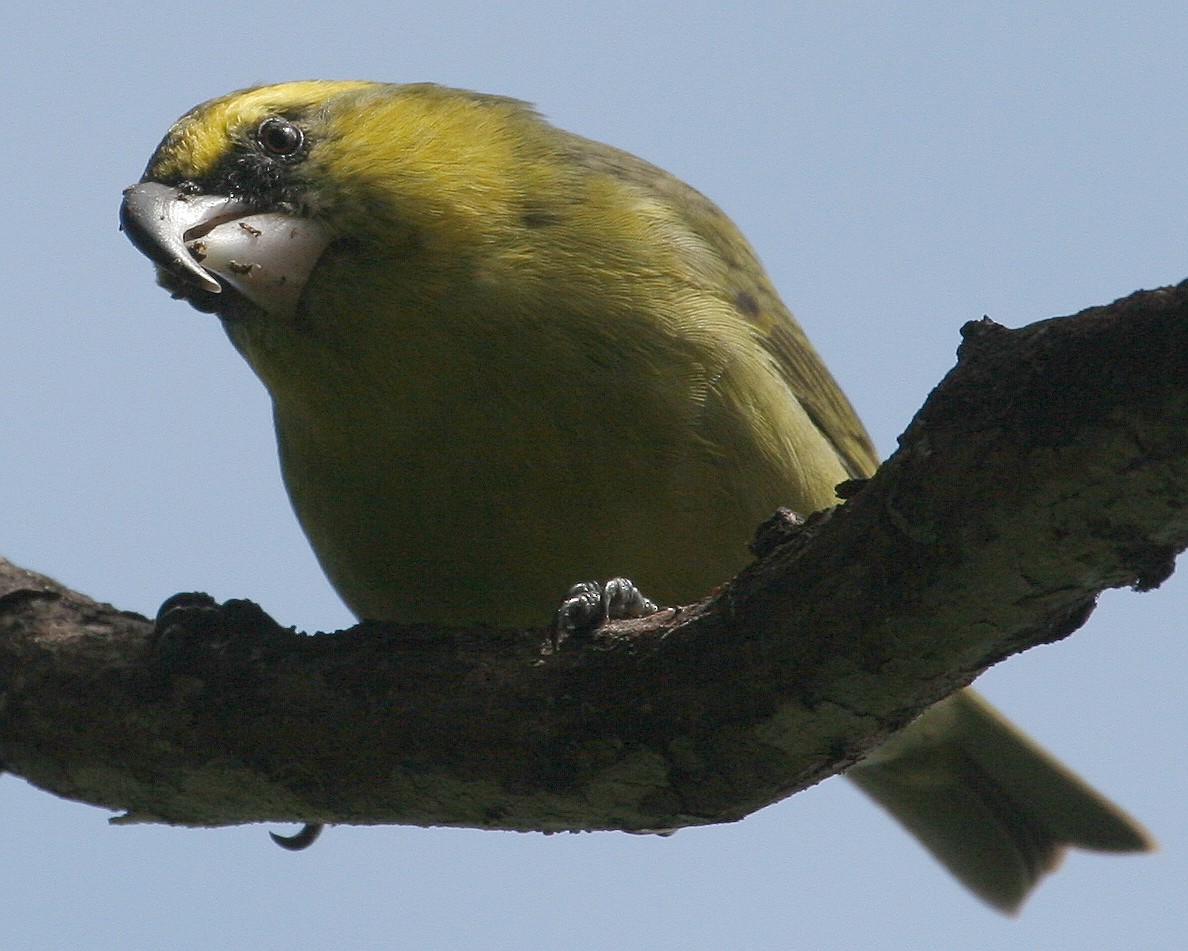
point(901, 167)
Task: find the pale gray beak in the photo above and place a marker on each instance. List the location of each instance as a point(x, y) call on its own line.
point(266, 256)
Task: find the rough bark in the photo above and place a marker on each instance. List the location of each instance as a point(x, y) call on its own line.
point(1050, 464)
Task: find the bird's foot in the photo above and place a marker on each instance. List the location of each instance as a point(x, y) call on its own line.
point(192, 628)
point(302, 839)
point(588, 604)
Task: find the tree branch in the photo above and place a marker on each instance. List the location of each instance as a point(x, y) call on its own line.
point(1050, 464)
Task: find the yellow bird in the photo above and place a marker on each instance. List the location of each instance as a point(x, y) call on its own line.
point(504, 358)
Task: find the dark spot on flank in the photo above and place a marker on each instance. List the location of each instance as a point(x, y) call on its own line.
point(745, 301)
point(540, 219)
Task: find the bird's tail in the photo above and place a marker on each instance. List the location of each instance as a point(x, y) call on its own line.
point(996, 809)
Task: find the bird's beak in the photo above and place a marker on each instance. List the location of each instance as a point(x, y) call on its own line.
point(204, 239)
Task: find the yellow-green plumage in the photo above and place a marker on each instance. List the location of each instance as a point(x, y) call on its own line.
point(525, 359)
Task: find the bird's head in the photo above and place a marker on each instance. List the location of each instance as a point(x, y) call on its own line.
point(251, 191)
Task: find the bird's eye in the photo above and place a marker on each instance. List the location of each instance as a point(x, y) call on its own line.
point(279, 137)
